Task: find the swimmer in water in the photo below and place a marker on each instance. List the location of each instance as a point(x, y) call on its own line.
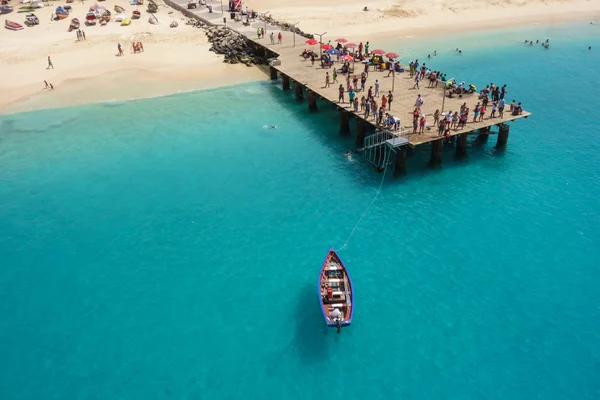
point(272, 126)
point(435, 53)
point(347, 154)
point(589, 48)
point(460, 52)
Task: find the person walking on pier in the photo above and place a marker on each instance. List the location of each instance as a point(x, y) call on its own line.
point(327, 82)
point(501, 107)
point(367, 108)
point(436, 117)
point(419, 102)
point(341, 97)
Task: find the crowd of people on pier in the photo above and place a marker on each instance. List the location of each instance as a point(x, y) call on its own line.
point(377, 107)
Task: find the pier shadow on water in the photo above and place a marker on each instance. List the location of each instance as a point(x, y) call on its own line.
point(311, 336)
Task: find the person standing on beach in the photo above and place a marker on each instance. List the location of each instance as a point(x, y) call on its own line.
point(258, 32)
point(83, 35)
point(78, 33)
point(279, 37)
point(272, 36)
point(46, 85)
point(376, 88)
point(392, 68)
point(120, 50)
point(367, 49)
point(51, 87)
point(262, 32)
point(390, 99)
point(50, 65)
point(327, 82)
point(334, 75)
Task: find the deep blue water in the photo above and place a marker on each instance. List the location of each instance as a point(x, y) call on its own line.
point(175, 254)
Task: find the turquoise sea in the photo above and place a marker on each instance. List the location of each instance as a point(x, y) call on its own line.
point(169, 248)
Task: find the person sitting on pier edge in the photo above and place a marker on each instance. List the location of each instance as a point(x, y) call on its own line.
point(518, 110)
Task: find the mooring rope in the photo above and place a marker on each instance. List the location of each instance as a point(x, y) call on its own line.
point(366, 210)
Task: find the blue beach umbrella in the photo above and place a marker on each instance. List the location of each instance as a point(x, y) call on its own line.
point(333, 51)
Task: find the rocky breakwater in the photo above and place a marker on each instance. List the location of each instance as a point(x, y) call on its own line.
point(234, 46)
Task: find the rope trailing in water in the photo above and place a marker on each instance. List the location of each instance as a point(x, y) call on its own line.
point(366, 211)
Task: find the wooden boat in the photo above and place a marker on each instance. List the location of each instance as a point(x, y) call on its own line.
point(61, 13)
point(13, 26)
point(152, 6)
point(335, 292)
point(31, 20)
point(90, 19)
point(74, 24)
point(126, 21)
point(136, 15)
point(6, 9)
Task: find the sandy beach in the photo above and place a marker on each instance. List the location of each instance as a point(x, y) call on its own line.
point(174, 60)
point(178, 59)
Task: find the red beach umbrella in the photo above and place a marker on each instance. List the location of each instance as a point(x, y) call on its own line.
point(312, 42)
point(325, 46)
point(341, 40)
point(378, 52)
point(347, 58)
point(392, 55)
point(350, 45)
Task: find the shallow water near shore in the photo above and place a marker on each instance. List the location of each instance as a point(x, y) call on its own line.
point(176, 254)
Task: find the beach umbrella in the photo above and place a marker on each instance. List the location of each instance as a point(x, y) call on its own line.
point(341, 40)
point(350, 45)
point(378, 52)
point(392, 55)
point(333, 51)
point(347, 58)
point(326, 46)
point(312, 42)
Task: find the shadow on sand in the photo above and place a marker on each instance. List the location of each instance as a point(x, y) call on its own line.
point(311, 337)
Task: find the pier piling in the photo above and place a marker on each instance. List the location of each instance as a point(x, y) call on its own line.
point(312, 101)
point(285, 82)
point(502, 136)
point(400, 163)
point(299, 91)
point(461, 145)
point(344, 122)
point(436, 153)
point(483, 136)
point(361, 128)
point(273, 72)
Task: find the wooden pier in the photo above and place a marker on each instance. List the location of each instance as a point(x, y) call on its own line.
point(380, 146)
